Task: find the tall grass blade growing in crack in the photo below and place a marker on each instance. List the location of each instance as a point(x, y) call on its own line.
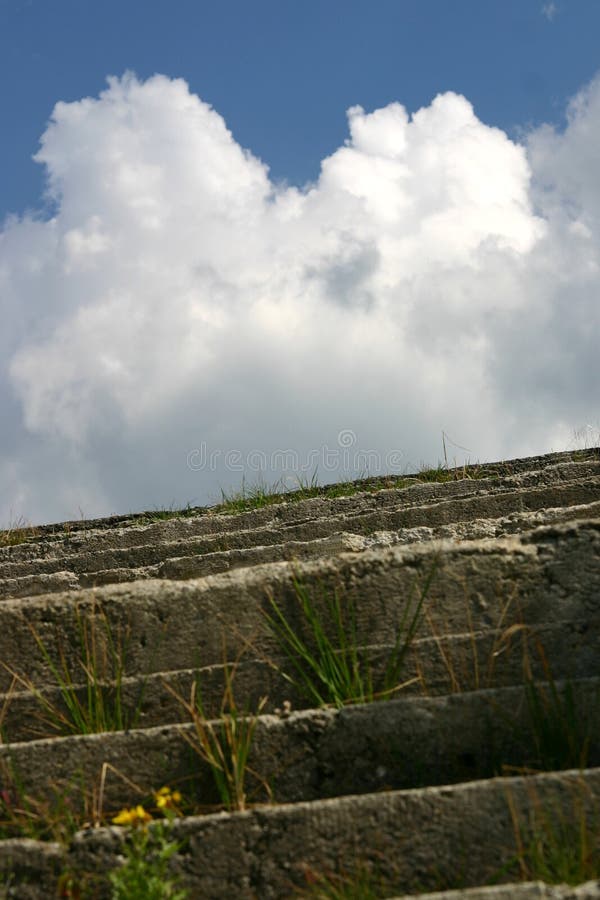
point(91, 691)
point(561, 719)
point(330, 667)
point(561, 728)
point(361, 884)
point(559, 844)
point(224, 744)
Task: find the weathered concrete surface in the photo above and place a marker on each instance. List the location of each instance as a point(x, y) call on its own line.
point(29, 870)
point(497, 588)
point(413, 840)
point(392, 834)
point(443, 664)
point(302, 513)
point(86, 569)
point(549, 575)
point(313, 754)
point(324, 535)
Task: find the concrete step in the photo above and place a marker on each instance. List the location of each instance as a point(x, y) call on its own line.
point(548, 575)
point(508, 564)
point(434, 666)
point(411, 841)
point(306, 515)
point(463, 519)
point(532, 890)
point(316, 754)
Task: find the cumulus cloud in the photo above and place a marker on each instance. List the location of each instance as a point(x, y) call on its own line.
point(179, 306)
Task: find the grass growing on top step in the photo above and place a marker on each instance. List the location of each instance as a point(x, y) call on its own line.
point(325, 659)
point(260, 494)
point(163, 515)
point(18, 532)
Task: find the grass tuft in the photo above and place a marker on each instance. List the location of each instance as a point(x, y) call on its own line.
point(224, 744)
point(558, 845)
point(561, 730)
point(54, 817)
point(329, 667)
point(560, 722)
point(260, 494)
point(92, 691)
point(18, 532)
point(360, 884)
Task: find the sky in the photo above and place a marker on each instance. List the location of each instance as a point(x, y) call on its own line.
point(244, 242)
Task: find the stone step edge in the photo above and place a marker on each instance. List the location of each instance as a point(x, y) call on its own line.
point(464, 662)
point(298, 513)
point(537, 566)
point(310, 754)
point(395, 831)
point(212, 563)
point(331, 532)
point(279, 842)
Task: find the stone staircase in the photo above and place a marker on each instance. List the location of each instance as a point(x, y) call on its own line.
point(483, 583)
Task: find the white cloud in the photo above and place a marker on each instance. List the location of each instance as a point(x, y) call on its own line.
point(550, 10)
point(438, 276)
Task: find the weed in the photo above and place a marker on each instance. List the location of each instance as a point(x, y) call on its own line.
point(330, 667)
point(478, 671)
point(19, 531)
point(557, 846)
point(56, 816)
point(560, 721)
point(144, 872)
point(442, 473)
point(561, 730)
point(250, 497)
point(260, 494)
point(224, 744)
point(92, 698)
point(439, 474)
point(358, 885)
point(162, 515)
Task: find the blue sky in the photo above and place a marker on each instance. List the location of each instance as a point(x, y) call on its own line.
point(269, 239)
point(283, 72)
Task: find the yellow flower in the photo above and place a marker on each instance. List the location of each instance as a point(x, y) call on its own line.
point(166, 798)
point(133, 816)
